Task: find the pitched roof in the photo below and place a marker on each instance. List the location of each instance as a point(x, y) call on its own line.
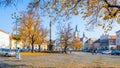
point(117, 31)
point(112, 37)
point(3, 31)
point(97, 41)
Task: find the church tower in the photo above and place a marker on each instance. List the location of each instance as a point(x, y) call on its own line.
point(84, 46)
point(76, 34)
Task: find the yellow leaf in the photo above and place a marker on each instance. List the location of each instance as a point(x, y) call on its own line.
point(99, 24)
point(62, 2)
point(103, 11)
point(118, 20)
point(66, 11)
point(71, 13)
point(84, 16)
point(119, 11)
point(106, 18)
point(74, 1)
point(105, 5)
point(55, 9)
point(76, 12)
point(70, 4)
point(103, 26)
point(83, 2)
point(110, 27)
point(113, 17)
point(112, 13)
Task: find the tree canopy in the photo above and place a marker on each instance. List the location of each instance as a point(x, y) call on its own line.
point(65, 35)
point(98, 12)
point(30, 29)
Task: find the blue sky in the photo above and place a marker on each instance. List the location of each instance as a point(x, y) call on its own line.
point(6, 22)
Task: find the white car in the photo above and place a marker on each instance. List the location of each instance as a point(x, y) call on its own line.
point(107, 52)
point(7, 52)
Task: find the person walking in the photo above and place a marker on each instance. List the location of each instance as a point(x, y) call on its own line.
point(18, 54)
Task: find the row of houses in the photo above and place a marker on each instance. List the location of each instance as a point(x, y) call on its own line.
point(118, 39)
point(7, 42)
point(105, 42)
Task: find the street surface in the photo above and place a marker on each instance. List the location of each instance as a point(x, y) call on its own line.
point(73, 60)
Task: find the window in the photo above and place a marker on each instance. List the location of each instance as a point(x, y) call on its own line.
point(117, 41)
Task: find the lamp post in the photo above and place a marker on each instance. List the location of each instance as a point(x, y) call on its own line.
point(16, 17)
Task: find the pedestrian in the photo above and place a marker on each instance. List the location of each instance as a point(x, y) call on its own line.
point(18, 54)
point(92, 51)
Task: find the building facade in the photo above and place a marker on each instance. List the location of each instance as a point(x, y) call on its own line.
point(89, 43)
point(84, 40)
point(14, 45)
point(96, 44)
point(107, 42)
point(118, 39)
point(112, 42)
point(4, 39)
point(104, 42)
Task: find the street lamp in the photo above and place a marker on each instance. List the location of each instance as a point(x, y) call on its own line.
point(16, 17)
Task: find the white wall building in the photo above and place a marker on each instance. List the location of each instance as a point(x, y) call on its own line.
point(13, 44)
point(118, 39)
point(4, 39)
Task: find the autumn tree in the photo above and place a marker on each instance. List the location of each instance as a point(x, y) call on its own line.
point(98, 12)
point(30, 29)
point(65, 35)
point(42, 33)
point(77, 44)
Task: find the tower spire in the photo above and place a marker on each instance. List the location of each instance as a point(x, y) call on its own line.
point(83, 34)
point(76, 30)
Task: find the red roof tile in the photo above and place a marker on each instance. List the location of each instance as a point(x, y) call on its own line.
point(112, 37)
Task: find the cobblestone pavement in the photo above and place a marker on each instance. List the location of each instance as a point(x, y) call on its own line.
point(73, 60)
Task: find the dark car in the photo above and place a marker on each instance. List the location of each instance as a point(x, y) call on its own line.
point(85, 50)
point(115, 52)
point(100, 51)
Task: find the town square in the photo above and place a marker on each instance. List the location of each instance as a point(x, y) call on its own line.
point(59, 33)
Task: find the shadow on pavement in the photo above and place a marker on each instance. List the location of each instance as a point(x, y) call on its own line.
point(6, 65)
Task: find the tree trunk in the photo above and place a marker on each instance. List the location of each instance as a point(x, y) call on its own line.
point(32, 44)
point(32, 47)
point(39, 48)
point(65, 48)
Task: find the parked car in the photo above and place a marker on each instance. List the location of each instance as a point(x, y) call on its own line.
point(24, 50)
point(85, 50)
point(100, 51)
point(106, 52)
point(115, 52)
point(7, 52)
